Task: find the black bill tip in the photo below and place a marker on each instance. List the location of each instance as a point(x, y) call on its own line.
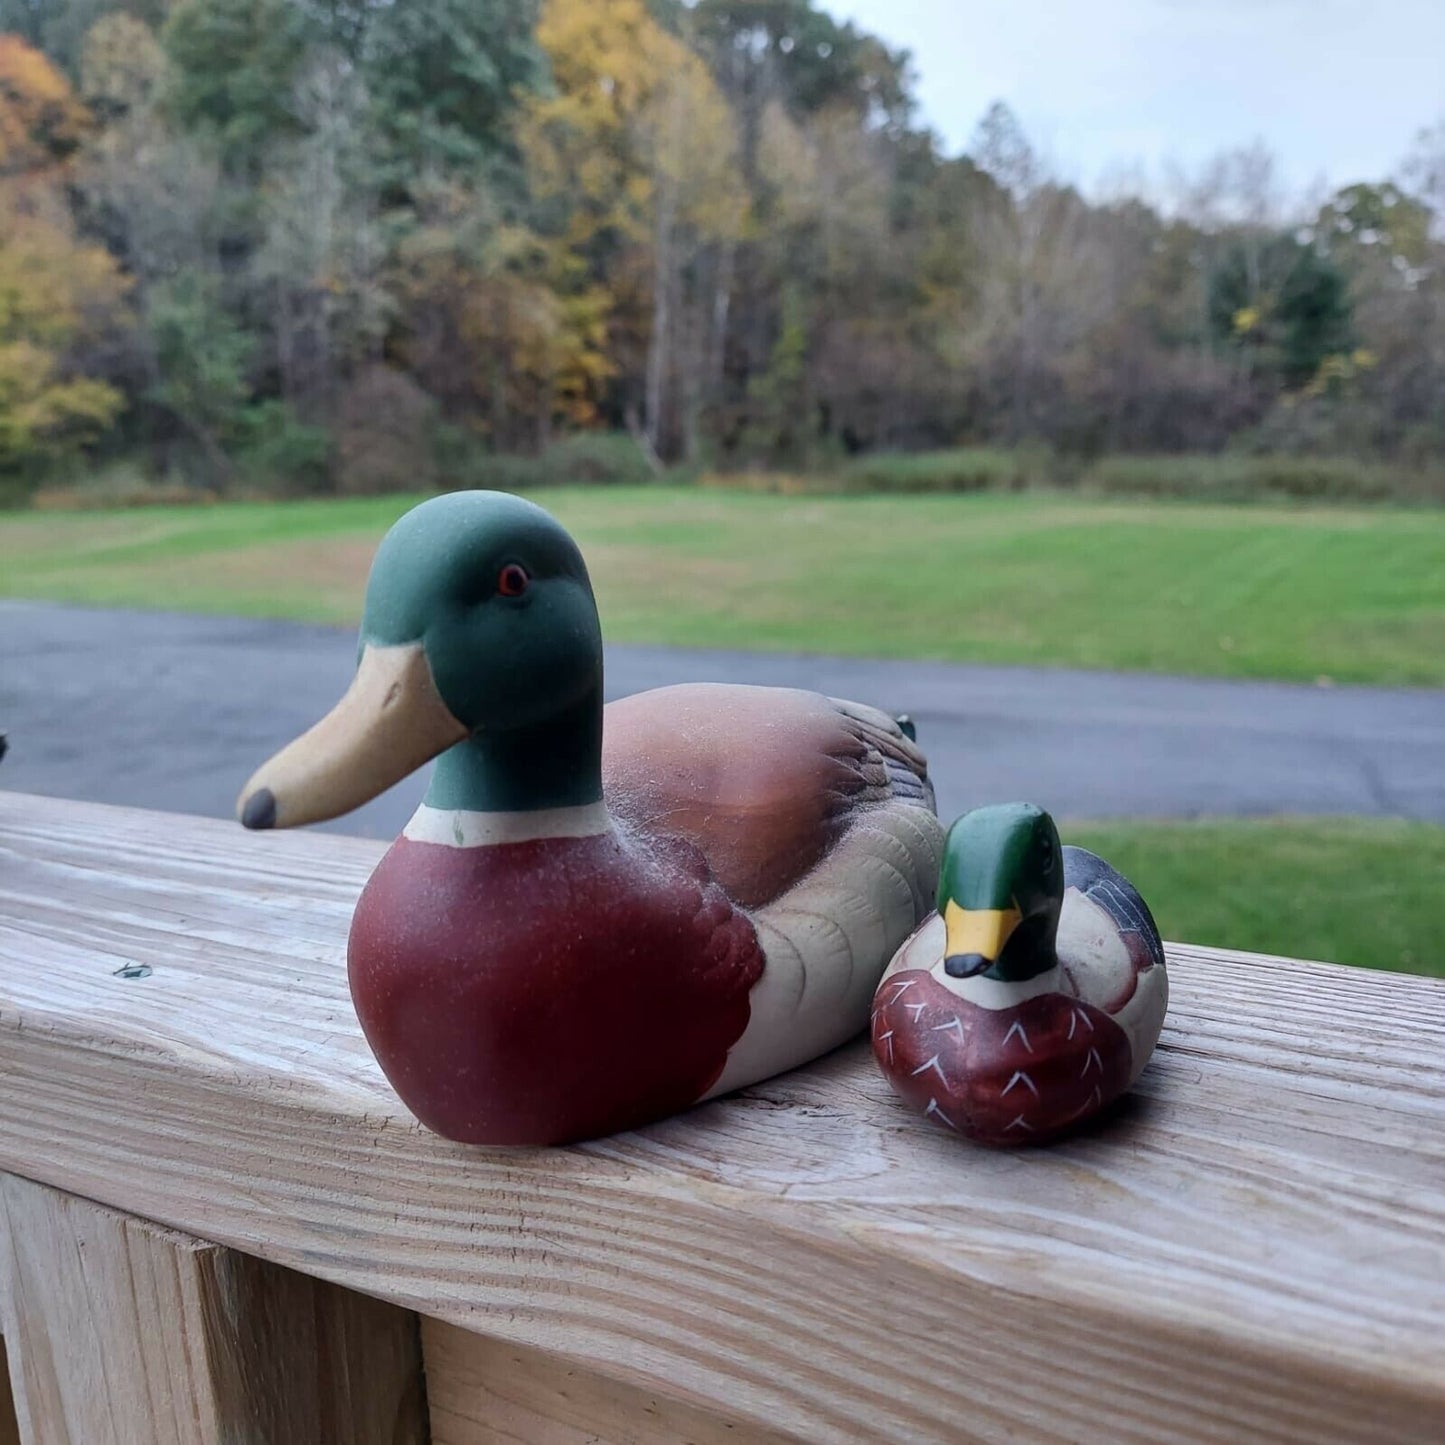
point(260, 810)
point(965, 965)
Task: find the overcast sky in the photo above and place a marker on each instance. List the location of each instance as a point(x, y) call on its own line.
point(1338, 88)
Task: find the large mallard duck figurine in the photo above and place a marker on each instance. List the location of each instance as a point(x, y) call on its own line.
point(597, 917)
point(1034, 995)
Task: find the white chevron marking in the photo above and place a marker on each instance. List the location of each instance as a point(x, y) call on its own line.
point(931, 1064)
point(1018, 1029)
point(937, 1112)
point(954, 1025)
point(1023, 1078)
point(1092, 1062)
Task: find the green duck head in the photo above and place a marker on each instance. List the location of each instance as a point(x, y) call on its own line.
point(1000, 891)
point(479, 642)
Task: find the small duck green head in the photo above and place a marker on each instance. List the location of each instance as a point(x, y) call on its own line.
point(1000, 891)
point(480, 640)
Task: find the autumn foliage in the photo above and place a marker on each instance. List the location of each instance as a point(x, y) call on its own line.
point(58, 295)
point(41, 122)
point(311, 247)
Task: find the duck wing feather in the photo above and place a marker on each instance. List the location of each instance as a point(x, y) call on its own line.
point(765, 781)
point(1102, 883)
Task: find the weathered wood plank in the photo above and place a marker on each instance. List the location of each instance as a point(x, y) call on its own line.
point(483, 1391)
point(1253, 1247)
point(127, 1333)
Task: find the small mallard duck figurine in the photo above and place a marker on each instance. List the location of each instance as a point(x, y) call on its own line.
point(596, 918)
point(1035, 994)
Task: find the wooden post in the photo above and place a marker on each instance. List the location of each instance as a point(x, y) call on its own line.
point(483, 1391)
point(125, 1333)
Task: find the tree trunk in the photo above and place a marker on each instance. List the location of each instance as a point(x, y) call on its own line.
point(659, 342)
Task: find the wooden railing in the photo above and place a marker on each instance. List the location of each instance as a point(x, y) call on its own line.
point(220, 1225)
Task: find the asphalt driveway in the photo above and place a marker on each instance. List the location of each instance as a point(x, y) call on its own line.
point(174, 712)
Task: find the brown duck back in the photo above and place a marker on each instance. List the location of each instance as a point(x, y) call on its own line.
point(763, 780)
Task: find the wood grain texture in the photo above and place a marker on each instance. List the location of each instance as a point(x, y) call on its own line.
point(483, 1391)
point(1251, 1247)
point(131, 1334)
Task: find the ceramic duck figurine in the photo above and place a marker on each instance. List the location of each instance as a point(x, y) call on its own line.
point(1035, 994)
point(597, 917)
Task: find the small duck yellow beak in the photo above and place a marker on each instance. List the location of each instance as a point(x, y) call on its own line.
point(975, 937)
point(390, 722)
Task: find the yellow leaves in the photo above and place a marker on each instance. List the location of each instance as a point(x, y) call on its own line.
point(1247, 320)
point(581, 366)
point(606, 56)
point(633, 161)
point(530, 333)
point(40, 120)
point(50, 285)
point(40, 412)
point(688, 140)
point(635, 115)
point(1336, 372)
point(54, 292)
point(27, 77)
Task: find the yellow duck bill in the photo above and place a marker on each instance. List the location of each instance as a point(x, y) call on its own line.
point(390, 722)
point(976, 937)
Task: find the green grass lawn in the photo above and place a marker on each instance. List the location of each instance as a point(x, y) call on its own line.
point(1347, 890)
point(1352, 595)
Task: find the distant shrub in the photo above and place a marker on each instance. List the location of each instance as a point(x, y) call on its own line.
point(608, 459)
point(1233, 478)
point(965, 469)
point(962, 469)
point(16, 490)
point(599, 459)
point(386, 428)
point(123, 483)
point(1423, 446)
point(282, 456)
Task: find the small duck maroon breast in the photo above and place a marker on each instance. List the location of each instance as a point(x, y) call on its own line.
point(1004, 1076)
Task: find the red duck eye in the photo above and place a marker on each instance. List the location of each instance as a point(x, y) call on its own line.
point(512, 580)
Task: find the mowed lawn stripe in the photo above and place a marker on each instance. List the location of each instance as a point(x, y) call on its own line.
point(1350, 595)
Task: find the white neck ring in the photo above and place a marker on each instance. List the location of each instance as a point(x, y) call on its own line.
point(463, 828)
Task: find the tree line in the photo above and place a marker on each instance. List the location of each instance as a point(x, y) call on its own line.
point(346, 245)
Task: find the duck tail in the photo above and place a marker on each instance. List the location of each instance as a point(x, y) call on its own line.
point(893, 741)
